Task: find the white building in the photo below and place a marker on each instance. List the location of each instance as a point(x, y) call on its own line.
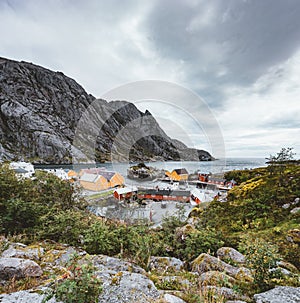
point(22, 169)
point(58, 172)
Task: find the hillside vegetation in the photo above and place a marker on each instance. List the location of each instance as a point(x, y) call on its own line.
point(260, 207)
point(259, 219)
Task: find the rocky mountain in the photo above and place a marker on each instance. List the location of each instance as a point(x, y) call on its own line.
point(46, 117)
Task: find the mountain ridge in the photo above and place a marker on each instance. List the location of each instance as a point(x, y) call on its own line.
point(40, 111)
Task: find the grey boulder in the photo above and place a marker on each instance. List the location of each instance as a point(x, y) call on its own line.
point(230, 254)
point(18, 268)
point(205, 262)
point(24, 296)
point(224, 292)
point(165, 264)
point(111, 264)
point(281, 294)
point(295, 210)
point(126, 287)
point(172, 299)
point(33, 253)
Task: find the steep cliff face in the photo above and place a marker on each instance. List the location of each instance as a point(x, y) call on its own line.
point(39, 114)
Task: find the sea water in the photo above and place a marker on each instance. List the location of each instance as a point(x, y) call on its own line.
point(217, 166)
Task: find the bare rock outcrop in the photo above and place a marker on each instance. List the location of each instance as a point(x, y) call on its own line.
point(206, 262)
point(32, 253)
point(279, 295)
point(128, 287)
point(39, 114)
point(165, 264)
point(230, 254)
point(25, 296)
point(172, 299)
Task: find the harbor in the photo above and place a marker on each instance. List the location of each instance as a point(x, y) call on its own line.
point(173, 188)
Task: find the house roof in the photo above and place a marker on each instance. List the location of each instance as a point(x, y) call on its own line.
point(93, 170)
point(125, 190)
point(181, 171)
point(20, 171)
point(89, 177)
point(166, 192)
point(107, 174)
point(202, 196)
point(99, 171)
point(216, 179)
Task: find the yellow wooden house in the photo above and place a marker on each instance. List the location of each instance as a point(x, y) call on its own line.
point(93, 182)
point(180, 174)
point(114, 179)
point(101, 180)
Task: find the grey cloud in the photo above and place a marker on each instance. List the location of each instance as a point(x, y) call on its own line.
point(260, 147)
point(253, 135)
point(225, 42)
point(285, 121)
point(83, 39)
point(213, 47)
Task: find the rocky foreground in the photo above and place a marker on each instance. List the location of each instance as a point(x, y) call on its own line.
point(28, 272)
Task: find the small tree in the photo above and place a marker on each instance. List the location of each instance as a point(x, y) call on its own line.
point(277, 162)
point(285, 154)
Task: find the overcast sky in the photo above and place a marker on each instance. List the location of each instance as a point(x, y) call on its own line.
point(241, 57)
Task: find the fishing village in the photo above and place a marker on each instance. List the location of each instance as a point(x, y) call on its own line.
point(145, 193)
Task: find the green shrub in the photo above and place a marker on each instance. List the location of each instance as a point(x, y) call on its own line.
point(63, 226)
point(79, 286)
point(261, 257)
point(17, 216)
point(100, 238)
point(197, 242)
point(137, 244)
point(25, 203)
